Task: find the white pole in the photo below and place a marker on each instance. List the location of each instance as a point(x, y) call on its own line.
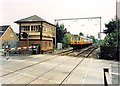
point(55, 34)
point(28, 38)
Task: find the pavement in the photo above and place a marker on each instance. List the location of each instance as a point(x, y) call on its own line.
point(115, 72)
point(53, 69)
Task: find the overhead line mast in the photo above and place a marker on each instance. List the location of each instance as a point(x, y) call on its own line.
point(99, 34)
point(77, 18)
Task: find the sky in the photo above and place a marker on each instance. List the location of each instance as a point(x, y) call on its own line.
point(13, 10)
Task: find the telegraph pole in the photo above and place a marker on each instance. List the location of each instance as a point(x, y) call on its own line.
point(55, 35)
point(100, 28)
point(118, 28)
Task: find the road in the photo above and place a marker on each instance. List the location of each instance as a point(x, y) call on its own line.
point(53, 69)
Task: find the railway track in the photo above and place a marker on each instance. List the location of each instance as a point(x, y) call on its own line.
point(65, 52)
point(77, 53)
point(84, 53)
point(90, 49)
point(31, 64)
point(87, 51)
point(27, 84)
point(27, 66)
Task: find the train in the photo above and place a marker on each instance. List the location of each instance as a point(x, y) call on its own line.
point(77, 41)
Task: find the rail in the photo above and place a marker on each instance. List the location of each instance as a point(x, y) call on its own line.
point(65, 51)
point(91, 49)
point(26, 67)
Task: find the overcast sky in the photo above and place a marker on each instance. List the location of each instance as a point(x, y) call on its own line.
point(12, 10)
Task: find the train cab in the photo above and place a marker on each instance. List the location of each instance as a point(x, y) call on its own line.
point(75, 39)
point(78, 41)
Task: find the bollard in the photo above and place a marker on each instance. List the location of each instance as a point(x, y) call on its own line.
point(105, 79)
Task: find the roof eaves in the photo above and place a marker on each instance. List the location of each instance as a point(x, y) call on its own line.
point(33, 18)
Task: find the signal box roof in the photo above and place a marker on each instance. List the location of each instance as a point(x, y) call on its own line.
point(32, 19)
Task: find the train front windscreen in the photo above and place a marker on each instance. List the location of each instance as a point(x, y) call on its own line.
point(75, 38)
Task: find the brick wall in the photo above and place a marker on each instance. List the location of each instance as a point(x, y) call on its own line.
point(9, 35)
point(44, 45)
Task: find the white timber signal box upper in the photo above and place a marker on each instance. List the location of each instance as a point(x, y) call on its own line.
point(36, 28)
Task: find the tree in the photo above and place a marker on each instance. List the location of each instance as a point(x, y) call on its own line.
point(62, 35)
point(60, 31)
point(110, 46)
point(66, 40)
point(93, 38)
point(112, 33)
point(111, 26)
point(81, 34)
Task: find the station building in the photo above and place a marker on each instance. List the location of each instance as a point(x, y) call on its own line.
point(38, 31)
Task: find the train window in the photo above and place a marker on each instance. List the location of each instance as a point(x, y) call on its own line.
point(78, 38)
point(75, 39)
point(72, 38)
